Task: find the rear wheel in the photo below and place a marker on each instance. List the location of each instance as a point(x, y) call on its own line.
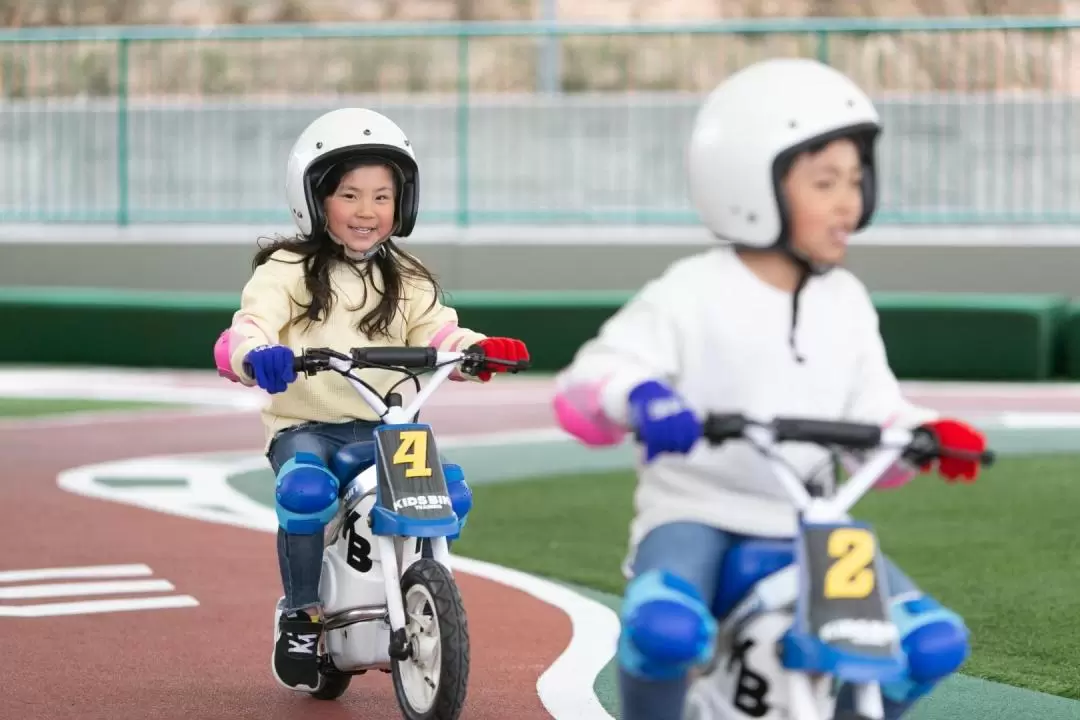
point(332, 685)
point(431, 683)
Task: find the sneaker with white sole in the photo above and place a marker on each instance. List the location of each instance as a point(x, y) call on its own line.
point(296, 650)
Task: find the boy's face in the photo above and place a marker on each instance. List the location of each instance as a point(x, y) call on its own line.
point(824, 199)
point(360, 213)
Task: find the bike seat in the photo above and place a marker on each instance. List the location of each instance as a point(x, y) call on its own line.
point(747, 562)
point(352, 459)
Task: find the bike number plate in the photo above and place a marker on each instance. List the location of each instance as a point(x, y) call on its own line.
point(844, 595)
point(410, 476)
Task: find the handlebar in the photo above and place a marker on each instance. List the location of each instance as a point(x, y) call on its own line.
point(885, 446)
point(406, 357)
point(315, 360)
point(921, 443)
point(389, 407)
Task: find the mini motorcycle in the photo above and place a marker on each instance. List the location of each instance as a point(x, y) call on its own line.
point(388, 594)
point(799, 617)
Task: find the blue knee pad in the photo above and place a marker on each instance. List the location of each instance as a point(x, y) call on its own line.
point(460, 494)
point(307, 495)
point(935, 641)
point(666, 627)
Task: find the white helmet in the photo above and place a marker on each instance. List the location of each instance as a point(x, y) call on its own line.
point(344, 134)
point(748, 131)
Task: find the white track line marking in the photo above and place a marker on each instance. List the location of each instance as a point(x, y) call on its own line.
point(52, 590)
point(594, 635)
point(1039, 420)
point(11, 591)
point(104, 417)
point(90, 607)
point(71, 573)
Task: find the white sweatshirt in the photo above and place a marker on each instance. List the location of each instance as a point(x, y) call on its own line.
point(719, 336)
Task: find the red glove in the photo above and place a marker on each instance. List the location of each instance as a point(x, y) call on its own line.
point(957, 436)
point(500, 348)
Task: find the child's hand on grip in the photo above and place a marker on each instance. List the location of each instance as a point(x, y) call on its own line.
point(500, 348)
point(662, 420)
point(271, 366)
point(956, 436)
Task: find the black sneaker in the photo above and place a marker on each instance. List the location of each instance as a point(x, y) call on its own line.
point(296, 651)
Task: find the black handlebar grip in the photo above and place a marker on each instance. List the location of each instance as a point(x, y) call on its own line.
point(510, 365)
point(856, 436)
point(407, 357)
point(720, 427)
point(297, 363)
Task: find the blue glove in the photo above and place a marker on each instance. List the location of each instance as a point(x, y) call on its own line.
point(663, 421)
point(271, 366)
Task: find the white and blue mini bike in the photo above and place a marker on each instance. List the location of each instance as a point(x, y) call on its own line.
point(799, 617)
point(388, 594)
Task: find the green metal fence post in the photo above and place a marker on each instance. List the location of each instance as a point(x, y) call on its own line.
point(122, 149)
point(823, 46)
point(463, 131)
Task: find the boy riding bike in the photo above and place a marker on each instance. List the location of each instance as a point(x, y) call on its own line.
point(782, 169)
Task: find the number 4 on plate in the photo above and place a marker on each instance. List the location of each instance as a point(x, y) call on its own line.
point(413, 451)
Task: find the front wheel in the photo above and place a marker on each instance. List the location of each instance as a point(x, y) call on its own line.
point(431, 683)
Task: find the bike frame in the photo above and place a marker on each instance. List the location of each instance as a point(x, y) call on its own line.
point(780, 589)
point(893, 443)
point(397, 415)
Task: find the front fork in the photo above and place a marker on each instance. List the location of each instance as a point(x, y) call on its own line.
point(399, 642)
point(804, 701)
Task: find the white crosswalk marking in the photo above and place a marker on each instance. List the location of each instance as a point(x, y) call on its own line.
point(10, 590)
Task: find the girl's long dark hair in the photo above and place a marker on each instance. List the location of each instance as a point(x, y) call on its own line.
point(319, 253)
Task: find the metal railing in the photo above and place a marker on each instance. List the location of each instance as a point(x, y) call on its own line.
point(184, 124)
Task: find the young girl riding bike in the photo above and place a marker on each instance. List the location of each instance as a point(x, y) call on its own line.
point(352, 185)
point(782, 169)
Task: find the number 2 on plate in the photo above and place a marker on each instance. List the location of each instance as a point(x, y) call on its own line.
point(851, 575)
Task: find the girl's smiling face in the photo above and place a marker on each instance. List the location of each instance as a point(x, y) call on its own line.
point(360, 212)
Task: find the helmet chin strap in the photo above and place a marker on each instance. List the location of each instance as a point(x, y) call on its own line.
point(371, 252)
point(808, 269)
point(807, 265)
point(376, 249)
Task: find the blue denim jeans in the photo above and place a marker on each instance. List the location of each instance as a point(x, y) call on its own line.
point(695, 552)
point(300, 556)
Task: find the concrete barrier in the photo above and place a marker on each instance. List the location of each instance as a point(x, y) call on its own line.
point(215, 258)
